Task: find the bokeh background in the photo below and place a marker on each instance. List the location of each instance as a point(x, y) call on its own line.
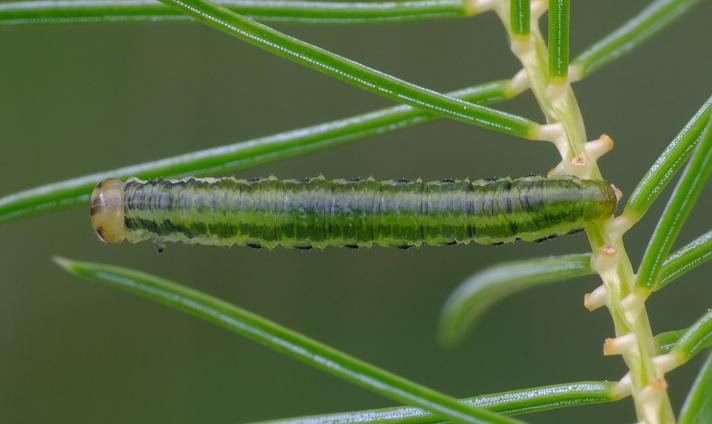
point(76, 99)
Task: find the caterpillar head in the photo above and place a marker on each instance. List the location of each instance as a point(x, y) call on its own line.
point(107, 211)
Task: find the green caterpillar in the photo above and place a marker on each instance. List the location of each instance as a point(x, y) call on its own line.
point(316, 212)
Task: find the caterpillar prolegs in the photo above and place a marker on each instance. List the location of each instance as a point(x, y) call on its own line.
point(316, 212)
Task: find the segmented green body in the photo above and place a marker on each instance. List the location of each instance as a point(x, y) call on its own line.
point(316, 212)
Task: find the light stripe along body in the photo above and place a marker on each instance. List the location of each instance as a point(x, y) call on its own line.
point(316, 212)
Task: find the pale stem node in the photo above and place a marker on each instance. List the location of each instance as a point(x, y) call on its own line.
point(633, 305)
point(473, 7)
point(595, 299)
point(518, 84)
point(599, 147)
point(668, 362)
point(559, 169)
point(556, 90)
point(622, 345)
point(650, 398)
point(575, 72)
point(631, 215)
point(624, 387)
point(554, 133)
point(538, 8)
point(605, 263)
point(619, 225)
point(521, 44)
point(605, 260)
point(658, 384)
point(617, 192)
point(580, 166)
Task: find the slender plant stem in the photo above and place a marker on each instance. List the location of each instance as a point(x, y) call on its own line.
point(313, 12)
point(354, 73)
point(556, 101)
point(284, 340)
point(515, 402)
point(610, 259)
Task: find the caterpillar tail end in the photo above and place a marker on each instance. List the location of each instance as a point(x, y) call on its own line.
point(107, 211)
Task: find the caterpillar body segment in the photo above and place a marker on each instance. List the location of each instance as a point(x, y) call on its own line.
point(316, 212)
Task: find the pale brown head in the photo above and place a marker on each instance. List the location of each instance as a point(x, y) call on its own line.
point(107, 211)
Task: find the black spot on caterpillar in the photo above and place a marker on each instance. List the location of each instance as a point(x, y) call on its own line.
point(315, 212)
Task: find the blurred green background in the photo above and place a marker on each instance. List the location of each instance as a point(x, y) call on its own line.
point(75, 99)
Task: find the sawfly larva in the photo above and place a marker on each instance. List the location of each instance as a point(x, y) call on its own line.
point(316, 212)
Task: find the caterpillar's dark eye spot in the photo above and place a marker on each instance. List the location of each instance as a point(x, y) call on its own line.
point(404, 180)
point(355, 179)
point(450, 243)
point(404, 246)
point(351, 246)
point(304, 247)
point(491, 179)
point(447, 180)
point(160, 247)
point(254, 179)
point(254, 245)
point(497, 244)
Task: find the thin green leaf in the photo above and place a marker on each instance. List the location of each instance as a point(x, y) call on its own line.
point(84, 11)
point(559, 11)
point(677, 210)
point(520, 16)
point(352, 72)
point(668, 164)
point(695, 338)
point(667, 340)
point(515, 402)
point(685, 259)
point(282, 340)
point(651, 20)
point(237, 156)
point(484, 289)
point(698, 405)
point(689, 341)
